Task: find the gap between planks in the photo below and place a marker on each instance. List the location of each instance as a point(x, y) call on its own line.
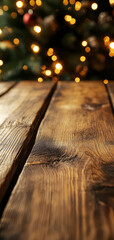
point(5, 87)
point(25, 150)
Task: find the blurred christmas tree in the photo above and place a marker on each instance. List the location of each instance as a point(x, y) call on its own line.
point(65, 39)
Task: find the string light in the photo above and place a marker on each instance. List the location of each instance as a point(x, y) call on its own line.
point(38, 2)
point(57, 71)
point(72, 2)
point(43, 67)
point(35, 48)
point(20, 11)
point(84, 43)
point(77, 79)
point(1, 62)
point(19, 4)
point(37, 29)
point(30, 11)
point(50, 51)
point(5, 8)
point(32, 3)
point(68, 18)
point(1, 12)
point(94, 6)
point(65, 2)
point(0, 31)
point(25, 67)
point(73, 21)
point(105, 81)
point(111, 2)
point(48, 72)
point(87, 49)
point(59, 66)
point(40, 79)
point(82, 58)
point(111, 54)
point(78, 5)
point(54, 58)
point(112, 45)
point(13, 15)
point(16, 41)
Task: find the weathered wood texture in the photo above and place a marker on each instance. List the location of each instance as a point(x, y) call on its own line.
point(65, 191)
point(110, 87)
point(21, 111)
point(5, 87)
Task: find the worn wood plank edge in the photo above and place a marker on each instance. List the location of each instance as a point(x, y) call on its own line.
point(111, 94)
point(24, 151)
point(8, 89)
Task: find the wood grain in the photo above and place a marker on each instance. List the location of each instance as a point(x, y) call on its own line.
point(21, 109)
point(66, 189)
point(5, 87)
point(110, 87)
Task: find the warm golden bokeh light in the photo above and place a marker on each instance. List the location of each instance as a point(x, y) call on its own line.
point(87, 49)
point(37, 29)
point(112, 45)
point(57, 71)
point(106, 40)
point(82, 58)
point(38, 2)
point(20, 11)
point(1, 12)
point(94, 6)
point(1, 62)
point(54, 58)
point(105, 81)
point(0, 31)
point(65, 2)
point(19, 4)
point(0, 71)
point(25, 67)
point(59, 66)
point(43, 67)
point(78, 5)
point(72, 2)
point(68, 18)
point(13, 15)
point(32, 3)
point(111, 2)
point(77, 79)
point(50, 51)
point(16, 41)
point(35, 48)
point(84, 43)
point(73, 21)
point(48, 72)
point(5, 8)
point(40, 79)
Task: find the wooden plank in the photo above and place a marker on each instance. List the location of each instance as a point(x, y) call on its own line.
point(5, 87)
point(110, 88)
point(21, 109)
point(65, 190)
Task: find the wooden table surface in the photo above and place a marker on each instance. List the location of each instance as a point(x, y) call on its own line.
point(56, 161)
